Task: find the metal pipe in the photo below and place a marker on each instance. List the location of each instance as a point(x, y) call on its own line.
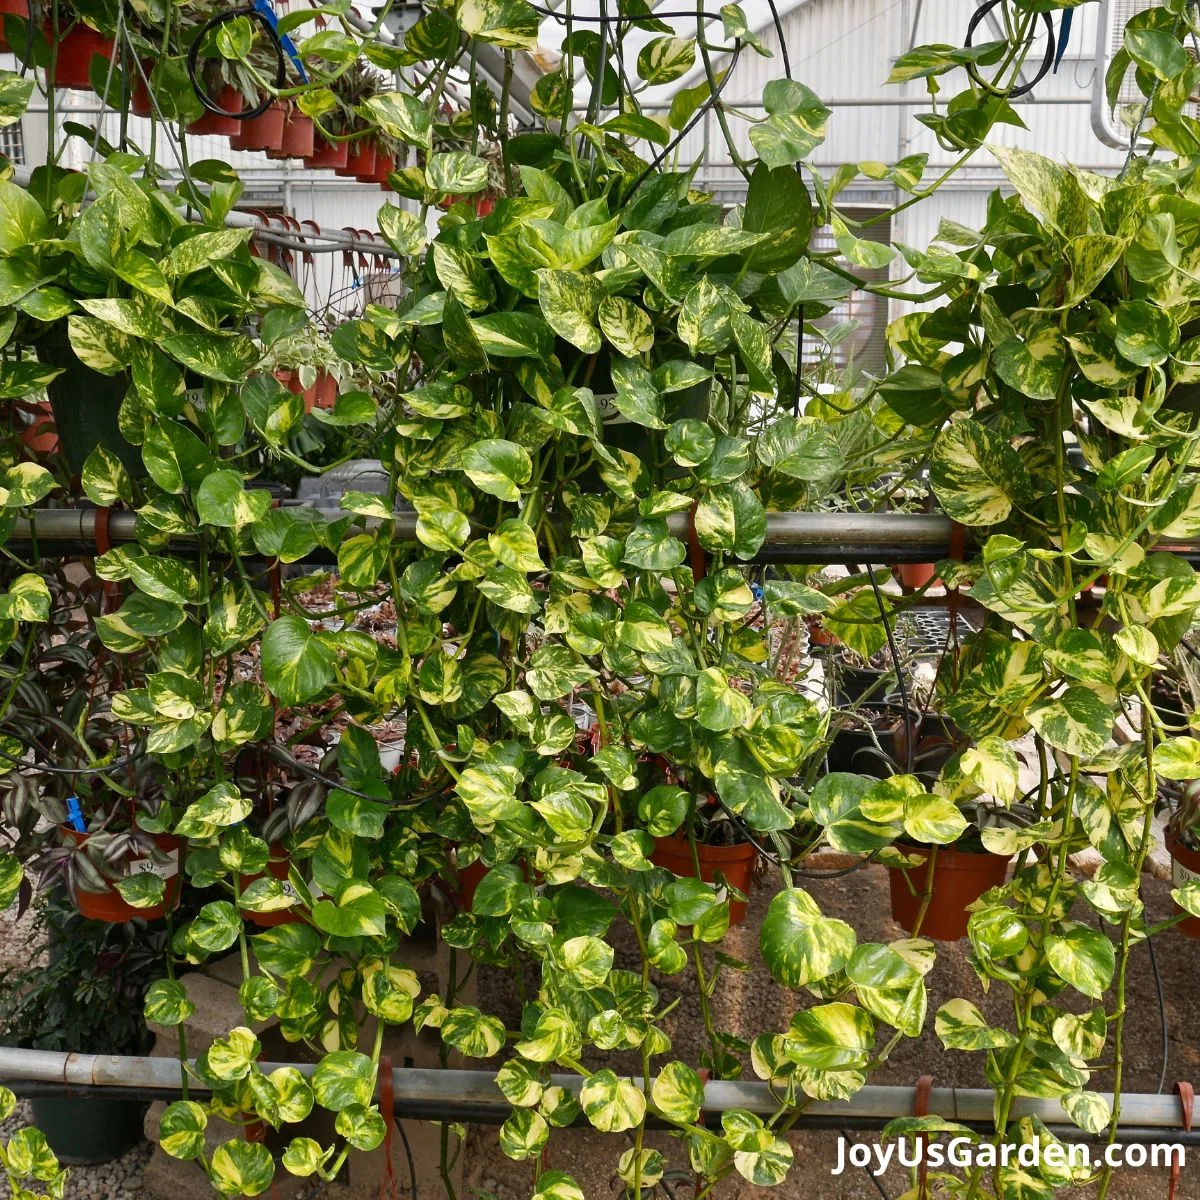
point(421, 1089)
point(792, 537)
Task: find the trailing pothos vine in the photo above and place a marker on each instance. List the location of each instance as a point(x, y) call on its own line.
point(586, 405)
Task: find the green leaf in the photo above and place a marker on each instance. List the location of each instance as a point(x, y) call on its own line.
point(500, 468)
point(167, 1004)
point(1157, 50)
point(665, 59)
point(1146, 333)
point(11, 876)
point(223, 501)
point(176, 459)
point(961, 1026)
point(181, 1129)
point(216, 927)
point(977, 476)
point(1082, 957)
point(105, 479)
point(510, 24)
point(794, 126)
point(678, 1093)
point(472, 1033)
point(831, 1037)
point(731, 517)
point(296, 663)
point(1077, 722)
point(343, 1079)
point(612, 1104)
point(22, 220)
point(359, 912)
point(798, 944)
point(568, 301)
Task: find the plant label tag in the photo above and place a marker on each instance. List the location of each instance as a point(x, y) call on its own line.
point(1181, 874)
point(196, 398)
point(609, 413)
point(147, 866)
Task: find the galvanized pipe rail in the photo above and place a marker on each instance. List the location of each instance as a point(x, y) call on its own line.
point(792, 537)
point(473, 1095)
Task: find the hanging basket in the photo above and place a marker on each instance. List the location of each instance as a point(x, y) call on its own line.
point(734, 863)
point(327, 155)
point(959, 879)
point(73, 59)
point(213, 124)
point(264, 132)
point(1185, 866)
point(109, 906)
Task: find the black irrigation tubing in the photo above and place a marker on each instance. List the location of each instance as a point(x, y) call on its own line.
point(193, 57)
point(910, 731)
point(1023, 88)
point(1162, 1014)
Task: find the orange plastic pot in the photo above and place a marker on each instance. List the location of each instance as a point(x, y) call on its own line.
point(76, 49)
point(108, 905)
point(297, 140)
point(914, 576)
point(264, 132)
point(327, 155)
point(360, 160)
point(40, 435)
point(14, 8)
point(277, 868)
point(959, 879)
point(230, 99)
point(1185, 866)
point(325, 392)
point(735, 864)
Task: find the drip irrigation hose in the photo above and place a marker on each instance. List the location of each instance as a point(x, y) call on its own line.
point(193, 59)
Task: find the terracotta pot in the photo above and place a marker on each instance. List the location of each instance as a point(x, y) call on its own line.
point(735, 863)
point(959, 879)
point(264, 132)
point(40, 435)
point(1185, 866)
point(331, 155)
point(277, 868)
point(76, 49)
point(108, 904)
point(15, 8)
point(914, 576)
point(360, 160)
point(230, 99)
point(385, 164)
point(297, 140)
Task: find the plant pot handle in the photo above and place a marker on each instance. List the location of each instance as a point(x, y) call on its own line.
point(1187, 1096)
point(921, 1109)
